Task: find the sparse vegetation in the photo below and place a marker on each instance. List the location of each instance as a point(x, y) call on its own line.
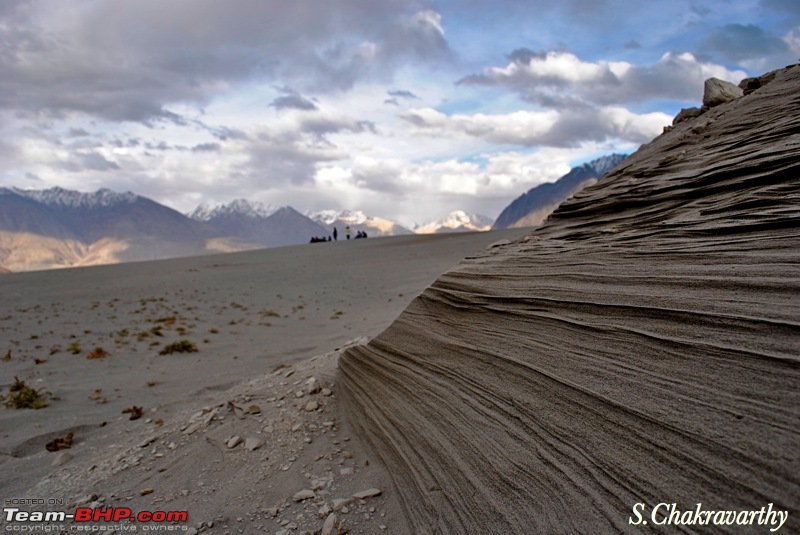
point(183, 346)
point(98, 353)
point(75, 348)
point(22, 396)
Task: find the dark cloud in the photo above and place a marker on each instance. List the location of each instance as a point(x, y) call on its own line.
point(207, 147)
point(77, 132)
point(127, 61)
point(737, 42)
point(633, 45)
point(293, 100)
point(790, 8)
point(402, 93)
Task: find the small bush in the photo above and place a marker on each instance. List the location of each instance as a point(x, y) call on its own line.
point(21, 396)
point(184, 346)
point(98, 353)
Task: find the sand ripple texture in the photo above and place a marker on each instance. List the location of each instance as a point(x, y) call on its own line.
point(641, 346)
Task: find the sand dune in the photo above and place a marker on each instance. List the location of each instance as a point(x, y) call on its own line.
point(642, 346)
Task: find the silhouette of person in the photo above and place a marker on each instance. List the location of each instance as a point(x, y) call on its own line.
point(335, 234)
point(347, 231)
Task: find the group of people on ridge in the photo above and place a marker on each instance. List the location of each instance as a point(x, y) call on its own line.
point(359, 235)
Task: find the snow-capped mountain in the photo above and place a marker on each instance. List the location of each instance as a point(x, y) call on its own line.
point(63, 228)
point(207, 212)
point(265, 225)
point(456, 221)
point(532, 208)
point(60, 197)
point(357, 220)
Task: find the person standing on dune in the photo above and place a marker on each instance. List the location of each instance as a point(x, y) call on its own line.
point(335, 234)
point(347, 231)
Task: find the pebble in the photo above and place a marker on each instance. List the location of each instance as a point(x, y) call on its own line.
point(234, 441)
point(369, 493)
point(272, 511)
point(327, 392)
point(341, 502)
point(331, 525)
point(311, 406)
point(253, 443)
point(305, 494)
point(346, 471)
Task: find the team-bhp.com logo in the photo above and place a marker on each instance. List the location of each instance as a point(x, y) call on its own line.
point(94, 515)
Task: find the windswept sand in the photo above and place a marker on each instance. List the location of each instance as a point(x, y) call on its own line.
point(264, 322)
point(643, 346)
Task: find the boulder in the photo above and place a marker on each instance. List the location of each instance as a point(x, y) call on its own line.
point(718, 92)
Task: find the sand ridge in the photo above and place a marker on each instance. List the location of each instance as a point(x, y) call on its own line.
point(639, 347)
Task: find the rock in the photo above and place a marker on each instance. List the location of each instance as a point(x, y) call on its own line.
point(145, 492)
point(234, 441)
point(327, 392)
point(748, 85)
point(272, 511)
point(369, 493)
point(253, 443)
point(191, 531)
point(348, 471)
point(341, 502)
point(687, 114)
point(718, 92)
point(254, 409)
point(313, 386)
point(62, 458)
point(305, 494)
point(331, 525)
point(324, 511)
point(311, 406)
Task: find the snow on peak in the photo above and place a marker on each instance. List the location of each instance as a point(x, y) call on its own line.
point(75, 199)
point(347, 217)
point(255, 209)
point(457, 219)
point(605, 164)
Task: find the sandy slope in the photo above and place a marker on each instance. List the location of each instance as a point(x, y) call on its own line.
point(643, 346)
point(257, 318)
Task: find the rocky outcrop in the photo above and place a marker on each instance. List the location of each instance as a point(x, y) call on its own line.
point(718, 92)
point(640, 347)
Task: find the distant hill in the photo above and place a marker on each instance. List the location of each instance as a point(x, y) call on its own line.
point(357, 220)
point(533, 207)
point(456, 221)
point(44, 229)
point(259, 224)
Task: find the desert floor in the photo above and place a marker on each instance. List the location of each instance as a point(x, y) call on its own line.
point(230, 433)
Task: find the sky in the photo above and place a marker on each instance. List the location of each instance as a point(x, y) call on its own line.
point(404, 109)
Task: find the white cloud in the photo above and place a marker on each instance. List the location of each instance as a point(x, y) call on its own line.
point(530, 128)
point(561, 79)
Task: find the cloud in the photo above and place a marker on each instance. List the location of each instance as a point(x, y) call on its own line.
point(553, 77)
point(737, 42)
point(207, 147)
point(399, 94)
point(565, 128)
point(293, 100)
point(133, 60)
point(87, 161)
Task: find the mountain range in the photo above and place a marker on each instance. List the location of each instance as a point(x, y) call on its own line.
point(55, 228)
point(532, 208)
